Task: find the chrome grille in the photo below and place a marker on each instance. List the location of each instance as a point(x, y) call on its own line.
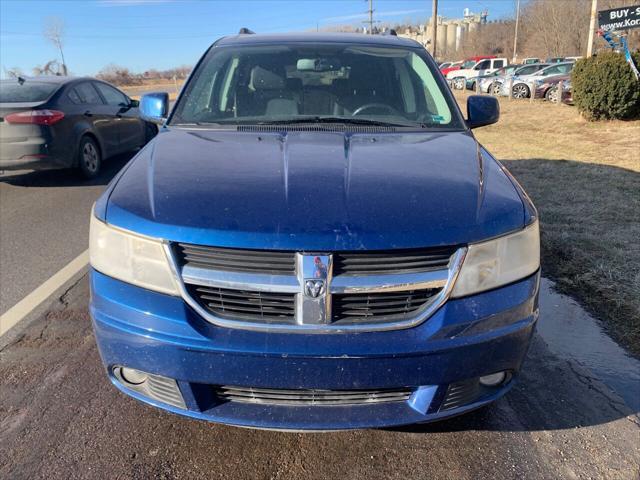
point(245, 304)
point(234, 260)
point(394, 261)
point(380, 306)
point(315, 292)
point(310, 397)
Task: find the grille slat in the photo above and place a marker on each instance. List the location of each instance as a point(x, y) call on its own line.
point(461, 393)
point(380, 306)
point(230, 259)
point(393, 261)
point(245, 305)
point(310, 397)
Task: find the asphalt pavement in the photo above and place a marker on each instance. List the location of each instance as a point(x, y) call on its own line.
point(44, 224)
point(61, 418)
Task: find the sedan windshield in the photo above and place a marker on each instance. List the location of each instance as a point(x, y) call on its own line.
point(305, 83)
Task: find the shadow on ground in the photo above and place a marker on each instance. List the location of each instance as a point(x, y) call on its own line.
point(66, 177)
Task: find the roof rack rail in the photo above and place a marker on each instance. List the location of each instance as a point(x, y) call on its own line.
point(246, 31)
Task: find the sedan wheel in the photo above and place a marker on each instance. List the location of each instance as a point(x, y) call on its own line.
point(89, 160)
point(520, 90)
point(494, 88)
point(552, 94)
point(458, 83)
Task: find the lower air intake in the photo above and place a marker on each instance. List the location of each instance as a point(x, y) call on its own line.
point(310, 397)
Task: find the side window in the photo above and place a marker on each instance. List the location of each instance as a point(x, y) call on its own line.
point(74, 97)
point(565, 68)
point(552, 71)
point(111, 95)
point(88, 94)
point(498, 63)
point(483, 65)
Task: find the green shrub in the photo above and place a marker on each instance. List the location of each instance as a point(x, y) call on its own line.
point(604, 87)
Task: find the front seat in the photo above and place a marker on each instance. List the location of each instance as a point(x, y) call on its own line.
point(270, 94)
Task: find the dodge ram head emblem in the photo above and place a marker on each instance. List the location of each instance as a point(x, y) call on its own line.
point(313, 288)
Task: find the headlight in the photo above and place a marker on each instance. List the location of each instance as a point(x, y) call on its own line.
point(500, 261)
point(129, 257)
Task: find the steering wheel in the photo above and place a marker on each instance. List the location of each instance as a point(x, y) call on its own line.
point(369, 106)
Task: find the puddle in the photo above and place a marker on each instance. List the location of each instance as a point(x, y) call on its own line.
point(571, 332)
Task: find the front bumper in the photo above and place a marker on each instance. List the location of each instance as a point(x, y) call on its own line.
point(466, 338)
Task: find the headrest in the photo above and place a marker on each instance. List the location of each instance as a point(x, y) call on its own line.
point(263, 79)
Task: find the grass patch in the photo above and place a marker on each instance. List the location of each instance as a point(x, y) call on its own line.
point(584, 178)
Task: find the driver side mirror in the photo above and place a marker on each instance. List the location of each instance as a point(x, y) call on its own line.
point(154, 107)
point(482, 110)
point(134, 103)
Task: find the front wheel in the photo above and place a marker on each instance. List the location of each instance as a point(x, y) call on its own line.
point(520, 90)
point(458, 83)
point(89, 158)
point(495, 88)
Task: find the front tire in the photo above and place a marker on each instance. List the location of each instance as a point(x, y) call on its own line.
point(495, 88)
point(89, 158)
point(458, 83)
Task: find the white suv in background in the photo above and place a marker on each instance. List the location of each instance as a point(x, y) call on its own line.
point(483, 67)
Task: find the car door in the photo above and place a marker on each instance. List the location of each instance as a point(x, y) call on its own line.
point(130, 125)
point(101, 116)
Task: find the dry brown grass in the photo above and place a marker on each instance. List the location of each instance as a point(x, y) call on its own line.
point(585, 180)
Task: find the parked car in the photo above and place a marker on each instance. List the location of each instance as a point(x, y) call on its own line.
point(451, 67)
point(555, 60)
point(494, 84)
point(530, 60)
point(488, 79)
point(64, 122)
point(468, 63)
point(544, 87)
point(549, 89)
point(444, 65)
point(457, 78)
point(310, 246)
point(522, 84)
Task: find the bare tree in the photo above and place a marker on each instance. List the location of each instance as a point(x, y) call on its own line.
point(52, 67)
point(14, 72)
point(54, 32)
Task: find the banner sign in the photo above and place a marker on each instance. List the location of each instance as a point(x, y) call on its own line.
point(622, 18)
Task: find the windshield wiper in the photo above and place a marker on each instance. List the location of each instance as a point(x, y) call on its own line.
point(337, 120)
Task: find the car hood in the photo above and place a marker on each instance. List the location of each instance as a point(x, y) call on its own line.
point(315, 190)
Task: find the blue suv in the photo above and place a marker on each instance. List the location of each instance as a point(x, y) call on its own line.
point(314, 241)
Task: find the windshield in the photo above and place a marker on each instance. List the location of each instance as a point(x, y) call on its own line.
point(14, 92)
point(338, 83)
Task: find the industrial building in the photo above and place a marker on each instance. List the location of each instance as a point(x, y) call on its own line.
point(450, 33)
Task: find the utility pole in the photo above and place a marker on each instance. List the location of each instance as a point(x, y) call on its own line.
point(592, 26)
point(515, 38)
point(434, 22)
point(370, 17)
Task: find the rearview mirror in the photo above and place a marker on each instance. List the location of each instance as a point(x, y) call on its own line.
point(482, 110)
point(154, 107)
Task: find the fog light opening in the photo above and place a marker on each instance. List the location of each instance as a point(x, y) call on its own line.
point(132, 376)
point(494, 379)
